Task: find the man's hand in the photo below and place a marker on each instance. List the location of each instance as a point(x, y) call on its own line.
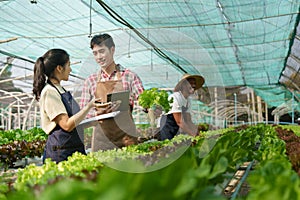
point(103, 108)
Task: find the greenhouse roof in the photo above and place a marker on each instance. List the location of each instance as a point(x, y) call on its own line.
point(249, 44)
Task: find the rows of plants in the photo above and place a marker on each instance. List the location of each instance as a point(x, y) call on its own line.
point(182, 168)
point(19, 144)
point(273, 176)
point(292, 142)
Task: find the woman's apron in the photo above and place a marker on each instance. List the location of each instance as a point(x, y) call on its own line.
point(168, 125)
point(60, 143)
point(114, 132)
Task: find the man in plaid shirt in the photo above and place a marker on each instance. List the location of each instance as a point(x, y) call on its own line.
point(104, 57)
point(120, 131)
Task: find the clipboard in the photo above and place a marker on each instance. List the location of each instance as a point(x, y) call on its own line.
point(123, 96)
point(91, 120)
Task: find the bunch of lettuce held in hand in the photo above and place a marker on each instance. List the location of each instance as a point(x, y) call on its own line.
point(154, 97)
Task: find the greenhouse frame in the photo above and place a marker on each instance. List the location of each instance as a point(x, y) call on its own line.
point(247, 51)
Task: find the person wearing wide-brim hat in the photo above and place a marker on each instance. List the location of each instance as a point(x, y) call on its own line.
point(195, 80)
point(178, 119)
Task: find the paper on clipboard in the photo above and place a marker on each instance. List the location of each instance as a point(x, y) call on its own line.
point(99, 117)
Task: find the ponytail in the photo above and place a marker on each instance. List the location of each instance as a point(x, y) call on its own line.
point(39, 80)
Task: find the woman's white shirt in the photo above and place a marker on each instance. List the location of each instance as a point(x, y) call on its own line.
point(51, 106)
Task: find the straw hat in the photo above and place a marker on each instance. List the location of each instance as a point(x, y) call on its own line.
point(199, 81)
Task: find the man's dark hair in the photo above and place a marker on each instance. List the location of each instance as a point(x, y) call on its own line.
point(102, 39)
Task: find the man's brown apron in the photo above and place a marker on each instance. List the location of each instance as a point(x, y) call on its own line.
point(114, 132)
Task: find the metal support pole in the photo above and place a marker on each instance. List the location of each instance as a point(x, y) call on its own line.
point(9, 124)
point(235, 109)
point(293, 114)
point(27, 114)
point(259, 109)
point(253, 106)
point(266, 113)
point(216, 104)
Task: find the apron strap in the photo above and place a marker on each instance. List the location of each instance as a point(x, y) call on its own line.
point(118, 75)
point(50, 83)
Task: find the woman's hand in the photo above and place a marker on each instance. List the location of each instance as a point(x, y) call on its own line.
point(103, 108)
point(93, 102)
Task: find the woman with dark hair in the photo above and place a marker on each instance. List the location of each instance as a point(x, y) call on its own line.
point(60, 113)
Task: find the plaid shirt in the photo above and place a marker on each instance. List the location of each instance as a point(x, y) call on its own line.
point(130, 81)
